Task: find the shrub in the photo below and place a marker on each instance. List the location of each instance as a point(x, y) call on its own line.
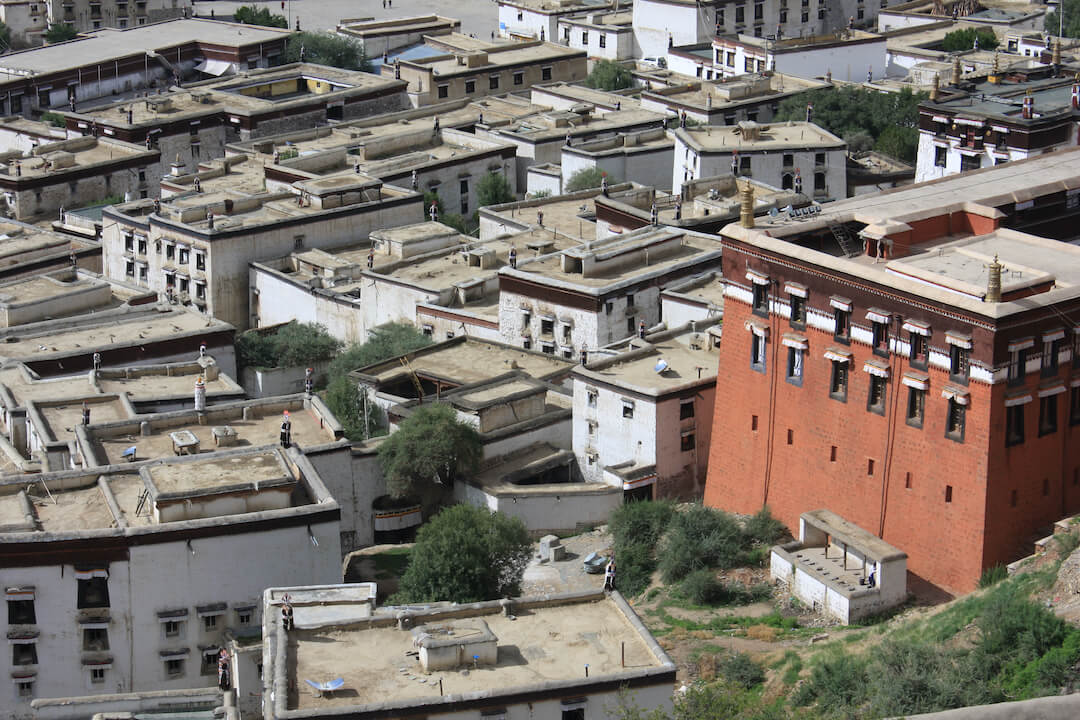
point(585, 179)
point(291, 345)
point(703, 588)
point(738, 668)
point(959, 40)
point(642, 522)
point(993, 575)
point(383, 343)
point(493, 189)
point(609, 75)
point(60, 32)
point(327, 49)
point(700, 537)
point(343, 399)
point(259, 16)
point(837, 681)
point(54, 119)
point(636, 563)
point(763, 528)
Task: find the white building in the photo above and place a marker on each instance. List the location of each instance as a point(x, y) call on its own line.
point(779, 154)
point(29, 19)
point(127, 577)
point(849, 55)
point(518, 668)
point(839, 569)
point(643, 418)
point(537, 19)
point(644, 157)
point(584, 298)
point(604, 35)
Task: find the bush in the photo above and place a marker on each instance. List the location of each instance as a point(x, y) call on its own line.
point(763, 528)
point(466, 554)
point(259, 16)
point(291, 345)
point(738, 668)
point(54, 119)
point(636, 562)
point(960, 40)
point(493, 189)
point(993, 575)
point(327, 49)
point(700, 537)
point(585, 179)
point(608, 75)
point(343, 399)
point(702, 587)
point(383, 343)
point(60, 32)
point(836, 682)
point(642, 522)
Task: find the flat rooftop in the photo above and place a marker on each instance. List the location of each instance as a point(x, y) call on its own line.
point(528, 462)
point(464, 361)
point(71, 155)
point(69, 510)
point(555, 125)
point(691, 248)
point(105, 45)
point(498, 55)
point(217, 473)
point(707, 289)
point(773, 137)
point(800, 44)
point(45, 287)
point(63, 417)
point(564, 217)
point(21, 343)
point(742, 89)
point(687, 355)
point(582, 93)
point(542, 644)
point(18, 240)
point(1005, 100)
point(262, 428)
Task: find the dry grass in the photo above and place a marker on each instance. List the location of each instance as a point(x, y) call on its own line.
point(763, 633)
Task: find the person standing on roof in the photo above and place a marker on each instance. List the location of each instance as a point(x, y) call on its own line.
point(609, 574)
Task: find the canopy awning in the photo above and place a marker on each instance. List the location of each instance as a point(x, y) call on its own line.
point(217, 68)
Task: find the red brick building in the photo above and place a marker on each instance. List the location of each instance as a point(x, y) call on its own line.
point(864, 368)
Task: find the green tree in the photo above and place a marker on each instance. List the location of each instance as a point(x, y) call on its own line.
point(59, 32)
point(466, 554)
point(252, 15)
point(585, 179)
point(430, 446)
point(326, 49)
point(608, 75)
point(54, 119)
point(847, 111)
point(1070, 27)
point(965, 39)
point(343, 399)
point(291, 345)
point(5, 37)
point(493, 189)
point(383, 343)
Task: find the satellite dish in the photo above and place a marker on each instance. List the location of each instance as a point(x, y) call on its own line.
point(773, 212)
point(661, 366)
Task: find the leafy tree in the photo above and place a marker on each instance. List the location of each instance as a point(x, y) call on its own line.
point(1071, 26)
point(343, 399)
point(699, 537)
point(5, 37)
point(383, 343)
point(252, 15)
point(54, 119)
point(430, 446)
point(849, 110)
point(466, 554)
point(637, 528)
point(293, 344)
point(966, 38)
point(327, 49)
point(493, 189)
point(585, 179)
point(609, 75)
point(59, 32)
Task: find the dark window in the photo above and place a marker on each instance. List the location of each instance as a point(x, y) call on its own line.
point(869, 466)
point(875, 400)
point(470, 87)
point(789, 160)
point(129, 242)
point(1012, 499)
point(740, 14)
point(757, 352)
point(832, 454)
point(210, 622)
point(209, 663)
point(759, 11)
point(761, 299)
point(744, 163)
point(798, 311)
point(686, 410)
point(21, 612)
point(958, 364)
point(918, 346)
point(174, 668)
point(547, 326)
point(841, 325)
point(839, 381)
point(24, 654)
point(93, 593)
point(1014, 425)
point(444, 91)
point(687, 442)
point(493, 82)
point(819, 158)
point(200, 261)
point(881, 338)
point(940, 154)
point(1074, 406)
point(629, 300)
point(545, 73)
point(1017, 367)
point(519, 78)
point(1047, 415)
point(819, 182)
point(173, 628)
point(954, 421)
point(603, 40)
point(630, 325)
point(627, 409)
point(1050, 357)
point(585, 38)
point(916, 406)
point(795, 366)
point(575, 714)
point(783, 16)
point(95, 639)
point(969, 162)
point(948, 493)
point(753, 423)
point(170, 251)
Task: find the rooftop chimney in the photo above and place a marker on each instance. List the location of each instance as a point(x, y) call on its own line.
point(746, 212)
point(935, 90)
point(1028, 111)
point(1055, 59)
point(993, 282)
point(955, 81)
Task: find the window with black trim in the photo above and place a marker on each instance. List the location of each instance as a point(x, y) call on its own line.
point(881, 338)
point(757, 352)
point(760, 302)
point(918, 350)
point(798, 311)
point(958, 364)
point(628, 408)
point(686, 443)
point(1074, 406)
point(444, 91)
point(916, 406)
point(470, 87)
point(838, 381)
point(95, 639)
point(795, 366)
point(1050, 357)
point(1047, 415)
point(686, 409)
point(1017, 366)
point(545, 73)
point(955, 419)
point(93, 593)
point(174, 668)
point(1014, 425)
point(493, 82)
point(21, 612)
point(940, 154)
point(519, 78)
point(841, 325)
point(875, 399)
